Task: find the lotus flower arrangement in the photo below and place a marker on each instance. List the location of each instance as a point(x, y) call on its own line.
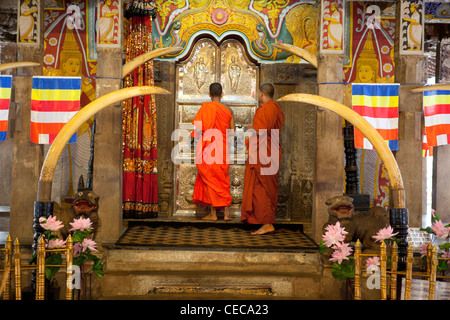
point(440, 233)
point(83, 245)
point(343, 262)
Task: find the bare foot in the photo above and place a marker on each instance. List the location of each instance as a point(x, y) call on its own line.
point(266, 228)
point(226, 214)
point(212, 216)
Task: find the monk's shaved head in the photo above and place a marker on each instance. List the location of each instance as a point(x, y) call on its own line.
point(267, 89)
point(215, 89)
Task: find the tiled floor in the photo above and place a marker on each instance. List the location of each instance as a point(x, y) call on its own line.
point(215, 235)
point(231, 235)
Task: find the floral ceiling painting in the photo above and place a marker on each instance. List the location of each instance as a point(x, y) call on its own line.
point(259, 23)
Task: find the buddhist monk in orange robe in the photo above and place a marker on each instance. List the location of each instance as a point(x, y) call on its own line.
point(212, 185)
point(260, 195)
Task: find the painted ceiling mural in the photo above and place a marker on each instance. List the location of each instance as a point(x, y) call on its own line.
point(259, 22)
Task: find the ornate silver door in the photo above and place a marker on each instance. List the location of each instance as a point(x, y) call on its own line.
point(227, 64)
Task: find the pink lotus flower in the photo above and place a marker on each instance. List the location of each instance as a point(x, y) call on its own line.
point(50, 223)
point(384, 234)
point(440, 230)
point(81, 247)
point(446, 254)
point(77, 247)
point(341, 253)
point(334, 234)
point(88, 244)
point(372, 261)
point(81, 224)
point(56, 244)
point(423, 250)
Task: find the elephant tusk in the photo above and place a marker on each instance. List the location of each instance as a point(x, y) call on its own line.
point(302, 53)
point(369, 132)
point(19, 64)
point(136, 62)
point(54, 153)
point(432, 87)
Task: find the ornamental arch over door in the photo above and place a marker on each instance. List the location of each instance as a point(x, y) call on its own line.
point(209, 62)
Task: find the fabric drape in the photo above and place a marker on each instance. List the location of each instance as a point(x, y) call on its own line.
point(140, 186)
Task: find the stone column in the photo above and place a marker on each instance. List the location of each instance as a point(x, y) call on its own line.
point(441, 175)
point(107, 175)
point(27, 156)
point(165, 108)
point(329, 169)
point(8, 54)
point(441, 154)
point(408, 72)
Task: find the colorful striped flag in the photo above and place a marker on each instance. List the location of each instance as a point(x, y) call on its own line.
point(378, 104)
point(427, 151)
point(436, 109)
point(5, 97)
point(54, 101)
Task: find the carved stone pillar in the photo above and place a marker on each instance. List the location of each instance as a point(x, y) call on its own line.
point(8, 53)
point(27, 156)
point(409, 70)
point(441, 154)
point(329, 170)
point(107, 175)
point(165, 108)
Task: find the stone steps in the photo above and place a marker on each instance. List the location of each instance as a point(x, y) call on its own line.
point(155, 274)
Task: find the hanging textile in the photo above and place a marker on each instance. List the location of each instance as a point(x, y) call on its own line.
point(436, 109)
point(5, 97)
point(378, 104)
point(427, 150)
point(140, 186)
point(54, 101)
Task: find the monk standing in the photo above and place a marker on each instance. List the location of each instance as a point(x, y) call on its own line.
point(260, 196)
point(212, 185)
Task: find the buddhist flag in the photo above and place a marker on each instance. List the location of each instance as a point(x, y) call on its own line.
point(54, 101)
point(5, 97)
point(427, 151)
point(436, 109)
point(378, 104)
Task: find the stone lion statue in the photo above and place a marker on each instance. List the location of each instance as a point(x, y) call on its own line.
point(359, 225)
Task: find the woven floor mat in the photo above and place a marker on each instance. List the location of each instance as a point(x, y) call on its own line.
point(214, 236)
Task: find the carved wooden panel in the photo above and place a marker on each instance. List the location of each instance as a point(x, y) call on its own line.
point(297, 138)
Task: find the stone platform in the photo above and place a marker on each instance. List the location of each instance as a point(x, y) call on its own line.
point(212, 261)
point(254, 274)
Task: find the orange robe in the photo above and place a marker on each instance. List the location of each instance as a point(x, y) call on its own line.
point(212, 185)
point(260, 195)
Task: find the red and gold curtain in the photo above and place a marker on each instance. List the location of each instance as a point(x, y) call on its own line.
point(140, 187)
